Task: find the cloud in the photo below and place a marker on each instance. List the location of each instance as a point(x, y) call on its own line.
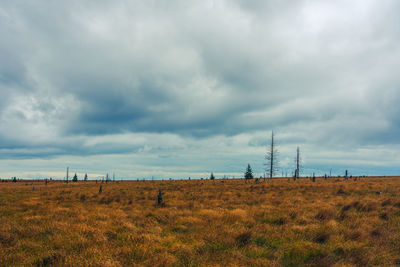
point(322, 74)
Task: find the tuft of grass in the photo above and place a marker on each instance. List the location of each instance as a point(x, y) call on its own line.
point(386, 202)
point(83, 198)
point(243, 239)
point(273, 218)
point(322, 237)
point(7, 239)
point(384, 216)
point(341, 191)
point(325, 214)
point(366, 207)
point(355, 235)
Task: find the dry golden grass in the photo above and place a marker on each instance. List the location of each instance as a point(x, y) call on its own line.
point(203, 223)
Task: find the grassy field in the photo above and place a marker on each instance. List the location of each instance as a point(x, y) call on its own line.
point(203, 223)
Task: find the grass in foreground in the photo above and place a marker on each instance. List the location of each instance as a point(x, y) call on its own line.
point(204, 223)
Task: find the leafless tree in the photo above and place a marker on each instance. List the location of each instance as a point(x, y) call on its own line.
point(298, 164)
point(272, 158)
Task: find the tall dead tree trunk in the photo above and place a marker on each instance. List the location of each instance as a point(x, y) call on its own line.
point(272, 158)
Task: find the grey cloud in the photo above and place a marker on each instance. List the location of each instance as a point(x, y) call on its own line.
point(320, 73)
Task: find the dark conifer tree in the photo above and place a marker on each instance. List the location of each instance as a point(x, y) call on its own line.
point(249, 173)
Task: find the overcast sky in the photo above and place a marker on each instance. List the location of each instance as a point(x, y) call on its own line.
point(185, 88)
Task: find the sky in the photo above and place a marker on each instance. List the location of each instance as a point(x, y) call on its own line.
point(184, 88)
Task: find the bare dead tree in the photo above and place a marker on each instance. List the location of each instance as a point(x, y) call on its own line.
point(160, 201)
point(298, 164)
point(272, 159)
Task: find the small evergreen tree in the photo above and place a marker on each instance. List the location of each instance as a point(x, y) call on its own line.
point(249, 173)
point(75, 179)
point(212, 177)
point(85, 179)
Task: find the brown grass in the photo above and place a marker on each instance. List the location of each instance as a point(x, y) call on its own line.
point(203, 223)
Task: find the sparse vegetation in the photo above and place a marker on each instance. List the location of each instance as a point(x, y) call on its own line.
point(201, 223)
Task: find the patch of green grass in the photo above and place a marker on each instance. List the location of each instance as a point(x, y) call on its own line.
point(262, 241)
point(273, 218)
point(214, 247)
point(301, 253)
point(259, 254)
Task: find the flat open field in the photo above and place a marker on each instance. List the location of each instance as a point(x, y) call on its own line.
point(203, 223)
